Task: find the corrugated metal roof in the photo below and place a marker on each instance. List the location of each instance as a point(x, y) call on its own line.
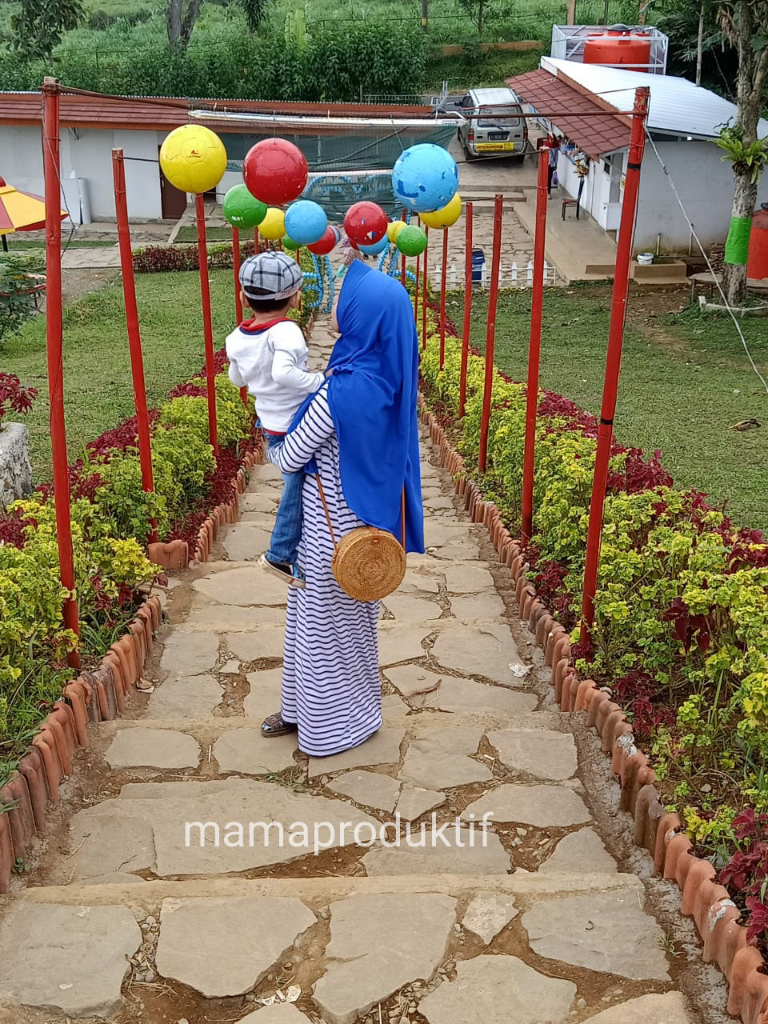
point(158, 114)
point(595, 134)
point(677, 106)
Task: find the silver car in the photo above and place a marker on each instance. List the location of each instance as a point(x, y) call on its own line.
point(499, 130)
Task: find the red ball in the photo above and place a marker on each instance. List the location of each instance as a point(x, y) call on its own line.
point(365, 223)
point(325, 244)
point(275, 171)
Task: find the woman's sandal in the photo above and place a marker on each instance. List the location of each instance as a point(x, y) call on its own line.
point(275, 725)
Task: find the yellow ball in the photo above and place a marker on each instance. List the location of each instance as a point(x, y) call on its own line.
point(445, 217)
point(273, 225)
point(193, 158)
point(394, 229)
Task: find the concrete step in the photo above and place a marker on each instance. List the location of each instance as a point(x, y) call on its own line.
point(660, 273)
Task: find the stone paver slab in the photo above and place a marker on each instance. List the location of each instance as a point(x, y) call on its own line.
point(540, 752)
point(408, 608)
point(279, 1013)
point(225, 618)
point(48, 953)
point(264, 696)
point(248, 752)
point(382, 748)
point(582, 852)
point(667, 1009)
point(401, 642)
point(541, 806)
point(246, 935)
point(258, 502)
point(190, 653)
point(245, 586)
point(185, 697)
point(486, 651)
point(260, 643)
point(497, 990)
point(602, 931)
point(378, 944)
point(368, 788)
point(439, 760)
point(153, 748)
point(440, 853)
point(467, 579)
point(105, 841)
point(488, 913)
point(264, 520)
point(244, 542)
point(415, 801)
point(266, 472)
point(478, 607)
point(418, 581)
point(419, 686)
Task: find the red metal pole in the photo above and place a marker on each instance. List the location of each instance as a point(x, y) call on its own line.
point(256, 242)
point(534, 346)
point(467, 309)
point(238, 303)
point(613, 358)
point(54, 338)
point(403, 278)
point(205, 292)
point(424, 294)
point(416, 292)
point(443, 277)
point(132, 326)
point(490, 337)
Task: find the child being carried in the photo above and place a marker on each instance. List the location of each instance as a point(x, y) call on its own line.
point(268, 355)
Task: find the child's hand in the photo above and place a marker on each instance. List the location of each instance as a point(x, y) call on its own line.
point(329, 373)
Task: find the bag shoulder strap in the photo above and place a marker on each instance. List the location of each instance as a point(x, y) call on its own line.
point(328, 515)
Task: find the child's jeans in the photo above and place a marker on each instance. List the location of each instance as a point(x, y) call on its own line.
point(286, 533)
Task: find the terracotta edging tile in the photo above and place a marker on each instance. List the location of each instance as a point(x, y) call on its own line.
point(715, 915)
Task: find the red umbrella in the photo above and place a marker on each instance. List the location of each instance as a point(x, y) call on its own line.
point(20, 211)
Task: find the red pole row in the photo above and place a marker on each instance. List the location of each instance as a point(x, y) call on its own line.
point(490, 337)
point(443, 277)
point(613, 358)
point(205, 291)
point(54, 337)
point(424, 294)
point(467, 309)
point(132, 326)
point(534, 347)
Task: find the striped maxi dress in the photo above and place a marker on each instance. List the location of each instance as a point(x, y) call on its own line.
point(331, 683)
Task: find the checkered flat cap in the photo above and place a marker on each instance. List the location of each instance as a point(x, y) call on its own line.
point(270, 275)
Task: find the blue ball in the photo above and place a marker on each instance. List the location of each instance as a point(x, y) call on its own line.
point(305, 222)
point(375, 248)
point(425, 177)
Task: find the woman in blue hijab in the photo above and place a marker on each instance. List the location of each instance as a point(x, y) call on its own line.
point(360, 434)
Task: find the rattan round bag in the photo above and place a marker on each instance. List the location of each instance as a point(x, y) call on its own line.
point(368, 563)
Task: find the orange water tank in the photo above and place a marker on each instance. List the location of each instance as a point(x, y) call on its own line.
point(619, 45)
point(757, 264)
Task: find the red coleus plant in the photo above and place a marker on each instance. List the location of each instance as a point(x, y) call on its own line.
point(688, 627)
point(14, 397)
point(747, 870)
point(12, 526)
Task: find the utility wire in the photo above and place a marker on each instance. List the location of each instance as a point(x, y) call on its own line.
point(715, 278)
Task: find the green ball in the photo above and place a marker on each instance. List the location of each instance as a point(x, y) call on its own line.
point(241, 209)
point(289, 244)
point(411, 241)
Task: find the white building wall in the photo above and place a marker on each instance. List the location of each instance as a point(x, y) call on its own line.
point(705, 184)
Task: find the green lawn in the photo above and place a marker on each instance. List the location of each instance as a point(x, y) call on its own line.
point(97, 375)
point(684, 382)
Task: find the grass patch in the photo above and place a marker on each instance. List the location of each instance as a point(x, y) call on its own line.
point(86, 243)
point(685, 381)
point(188, 233)
point(97, 376)
point(475, 69)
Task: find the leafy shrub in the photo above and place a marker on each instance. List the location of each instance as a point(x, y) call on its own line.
point(13, 396)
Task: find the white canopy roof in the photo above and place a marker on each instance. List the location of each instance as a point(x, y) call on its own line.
point(677, 105)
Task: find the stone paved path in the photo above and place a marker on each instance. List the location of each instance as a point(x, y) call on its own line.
point(122, 920)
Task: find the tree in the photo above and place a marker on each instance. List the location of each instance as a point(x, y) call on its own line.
point(254, 12)
point(475, 9)
point(744, 24)
point(40, 24)
point(180, 23)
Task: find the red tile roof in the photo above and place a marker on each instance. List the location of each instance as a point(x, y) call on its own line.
point(593, 134)
point(160, 114)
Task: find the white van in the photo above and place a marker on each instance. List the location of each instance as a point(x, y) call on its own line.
point(499, 131)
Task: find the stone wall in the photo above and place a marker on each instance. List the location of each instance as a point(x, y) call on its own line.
point(15, 467)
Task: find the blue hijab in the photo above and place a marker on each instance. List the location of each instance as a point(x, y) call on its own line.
point(372, 396)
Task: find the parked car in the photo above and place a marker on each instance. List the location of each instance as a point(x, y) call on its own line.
point(499, 130)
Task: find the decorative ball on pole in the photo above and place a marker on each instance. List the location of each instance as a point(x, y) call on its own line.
point(394, 228)
point(445, 217)
point(272, 226)
point(376, 247)
point(331, 238)
point(242, 210)
point(411, 241)
point(275, 171)
point(193, 158)
point(365, 223)
point(305, 222)
point(425, 178)
point(289, 243)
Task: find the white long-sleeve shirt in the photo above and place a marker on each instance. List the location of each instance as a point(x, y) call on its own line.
point(271, 361)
